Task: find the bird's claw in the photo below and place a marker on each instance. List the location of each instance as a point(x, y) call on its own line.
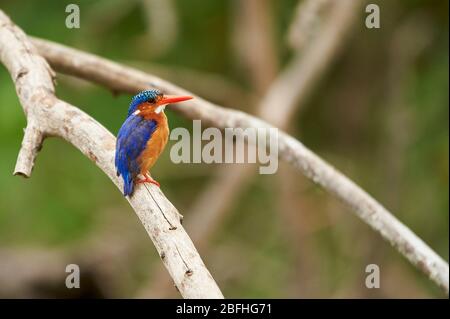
point(148, 179)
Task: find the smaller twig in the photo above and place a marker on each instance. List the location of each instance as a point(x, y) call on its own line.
point(31, 145)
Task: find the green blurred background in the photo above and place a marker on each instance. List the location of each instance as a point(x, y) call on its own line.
point(379, 114)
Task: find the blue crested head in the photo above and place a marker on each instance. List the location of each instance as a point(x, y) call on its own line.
point(141, 97)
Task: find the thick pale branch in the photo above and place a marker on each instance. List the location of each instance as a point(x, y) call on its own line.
point(123, 79)
point(33, 79)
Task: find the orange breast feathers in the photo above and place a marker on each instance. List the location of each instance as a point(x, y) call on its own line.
point(156, 143)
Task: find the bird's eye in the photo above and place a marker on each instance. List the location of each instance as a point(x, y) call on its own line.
point(151, 100)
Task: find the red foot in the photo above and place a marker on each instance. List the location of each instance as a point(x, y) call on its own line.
point(148, 179)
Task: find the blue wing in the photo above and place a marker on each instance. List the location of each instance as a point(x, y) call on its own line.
point(131, 142)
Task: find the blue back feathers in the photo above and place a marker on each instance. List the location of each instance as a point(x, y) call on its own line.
point(141, 97)
point(131, 142)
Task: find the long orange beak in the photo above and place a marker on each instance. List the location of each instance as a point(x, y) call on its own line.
point(168, 99)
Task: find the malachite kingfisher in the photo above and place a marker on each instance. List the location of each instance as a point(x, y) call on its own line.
point(142, 137)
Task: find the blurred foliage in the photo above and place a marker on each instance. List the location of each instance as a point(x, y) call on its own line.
point(387, 131)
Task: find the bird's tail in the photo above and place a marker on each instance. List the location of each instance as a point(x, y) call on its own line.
point(128, 184)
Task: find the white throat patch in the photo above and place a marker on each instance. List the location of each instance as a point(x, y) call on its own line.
point(159, 109)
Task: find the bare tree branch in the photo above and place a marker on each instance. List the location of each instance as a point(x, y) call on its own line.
point(294, 84)
point(288, 91)
point(254, 42)
point(33, 79)
point(306, 21)
point(122, 79)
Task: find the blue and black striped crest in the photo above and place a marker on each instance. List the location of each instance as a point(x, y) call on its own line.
point(141, 97)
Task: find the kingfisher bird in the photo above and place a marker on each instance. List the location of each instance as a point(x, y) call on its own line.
point(142, 137)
